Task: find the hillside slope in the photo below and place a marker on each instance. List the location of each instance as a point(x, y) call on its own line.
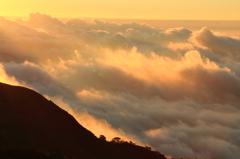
point(29, 121)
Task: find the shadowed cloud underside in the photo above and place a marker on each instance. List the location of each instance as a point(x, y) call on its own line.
point(175, 89)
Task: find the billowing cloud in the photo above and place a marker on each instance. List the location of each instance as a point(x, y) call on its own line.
point(5, 78)
point(175, 90)
point(218, 44)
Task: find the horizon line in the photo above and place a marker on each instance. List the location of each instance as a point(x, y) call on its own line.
point(117, 18)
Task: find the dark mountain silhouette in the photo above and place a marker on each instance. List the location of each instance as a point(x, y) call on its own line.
point(32, 125)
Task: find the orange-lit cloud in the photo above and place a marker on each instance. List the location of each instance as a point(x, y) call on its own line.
point(5, 78)
point(218, 44)
point(176, 90)
point(97, 125)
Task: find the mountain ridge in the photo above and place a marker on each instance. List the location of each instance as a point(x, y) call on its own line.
point(30, 121)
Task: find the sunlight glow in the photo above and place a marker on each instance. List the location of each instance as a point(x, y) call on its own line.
point(141, 9)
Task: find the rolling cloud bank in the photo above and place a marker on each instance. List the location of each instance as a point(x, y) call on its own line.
point(175, 90)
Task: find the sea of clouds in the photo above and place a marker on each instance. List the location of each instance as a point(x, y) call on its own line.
point(175, 90)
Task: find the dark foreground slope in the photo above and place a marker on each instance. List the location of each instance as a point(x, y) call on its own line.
point(29, 121)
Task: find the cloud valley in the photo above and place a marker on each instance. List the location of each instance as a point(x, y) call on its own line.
point(175, 90)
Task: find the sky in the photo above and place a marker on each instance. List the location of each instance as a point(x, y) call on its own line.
point(133, 9)
point(171, 85)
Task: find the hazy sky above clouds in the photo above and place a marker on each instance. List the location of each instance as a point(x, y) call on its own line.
point(140, 9)
point(174, 89)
